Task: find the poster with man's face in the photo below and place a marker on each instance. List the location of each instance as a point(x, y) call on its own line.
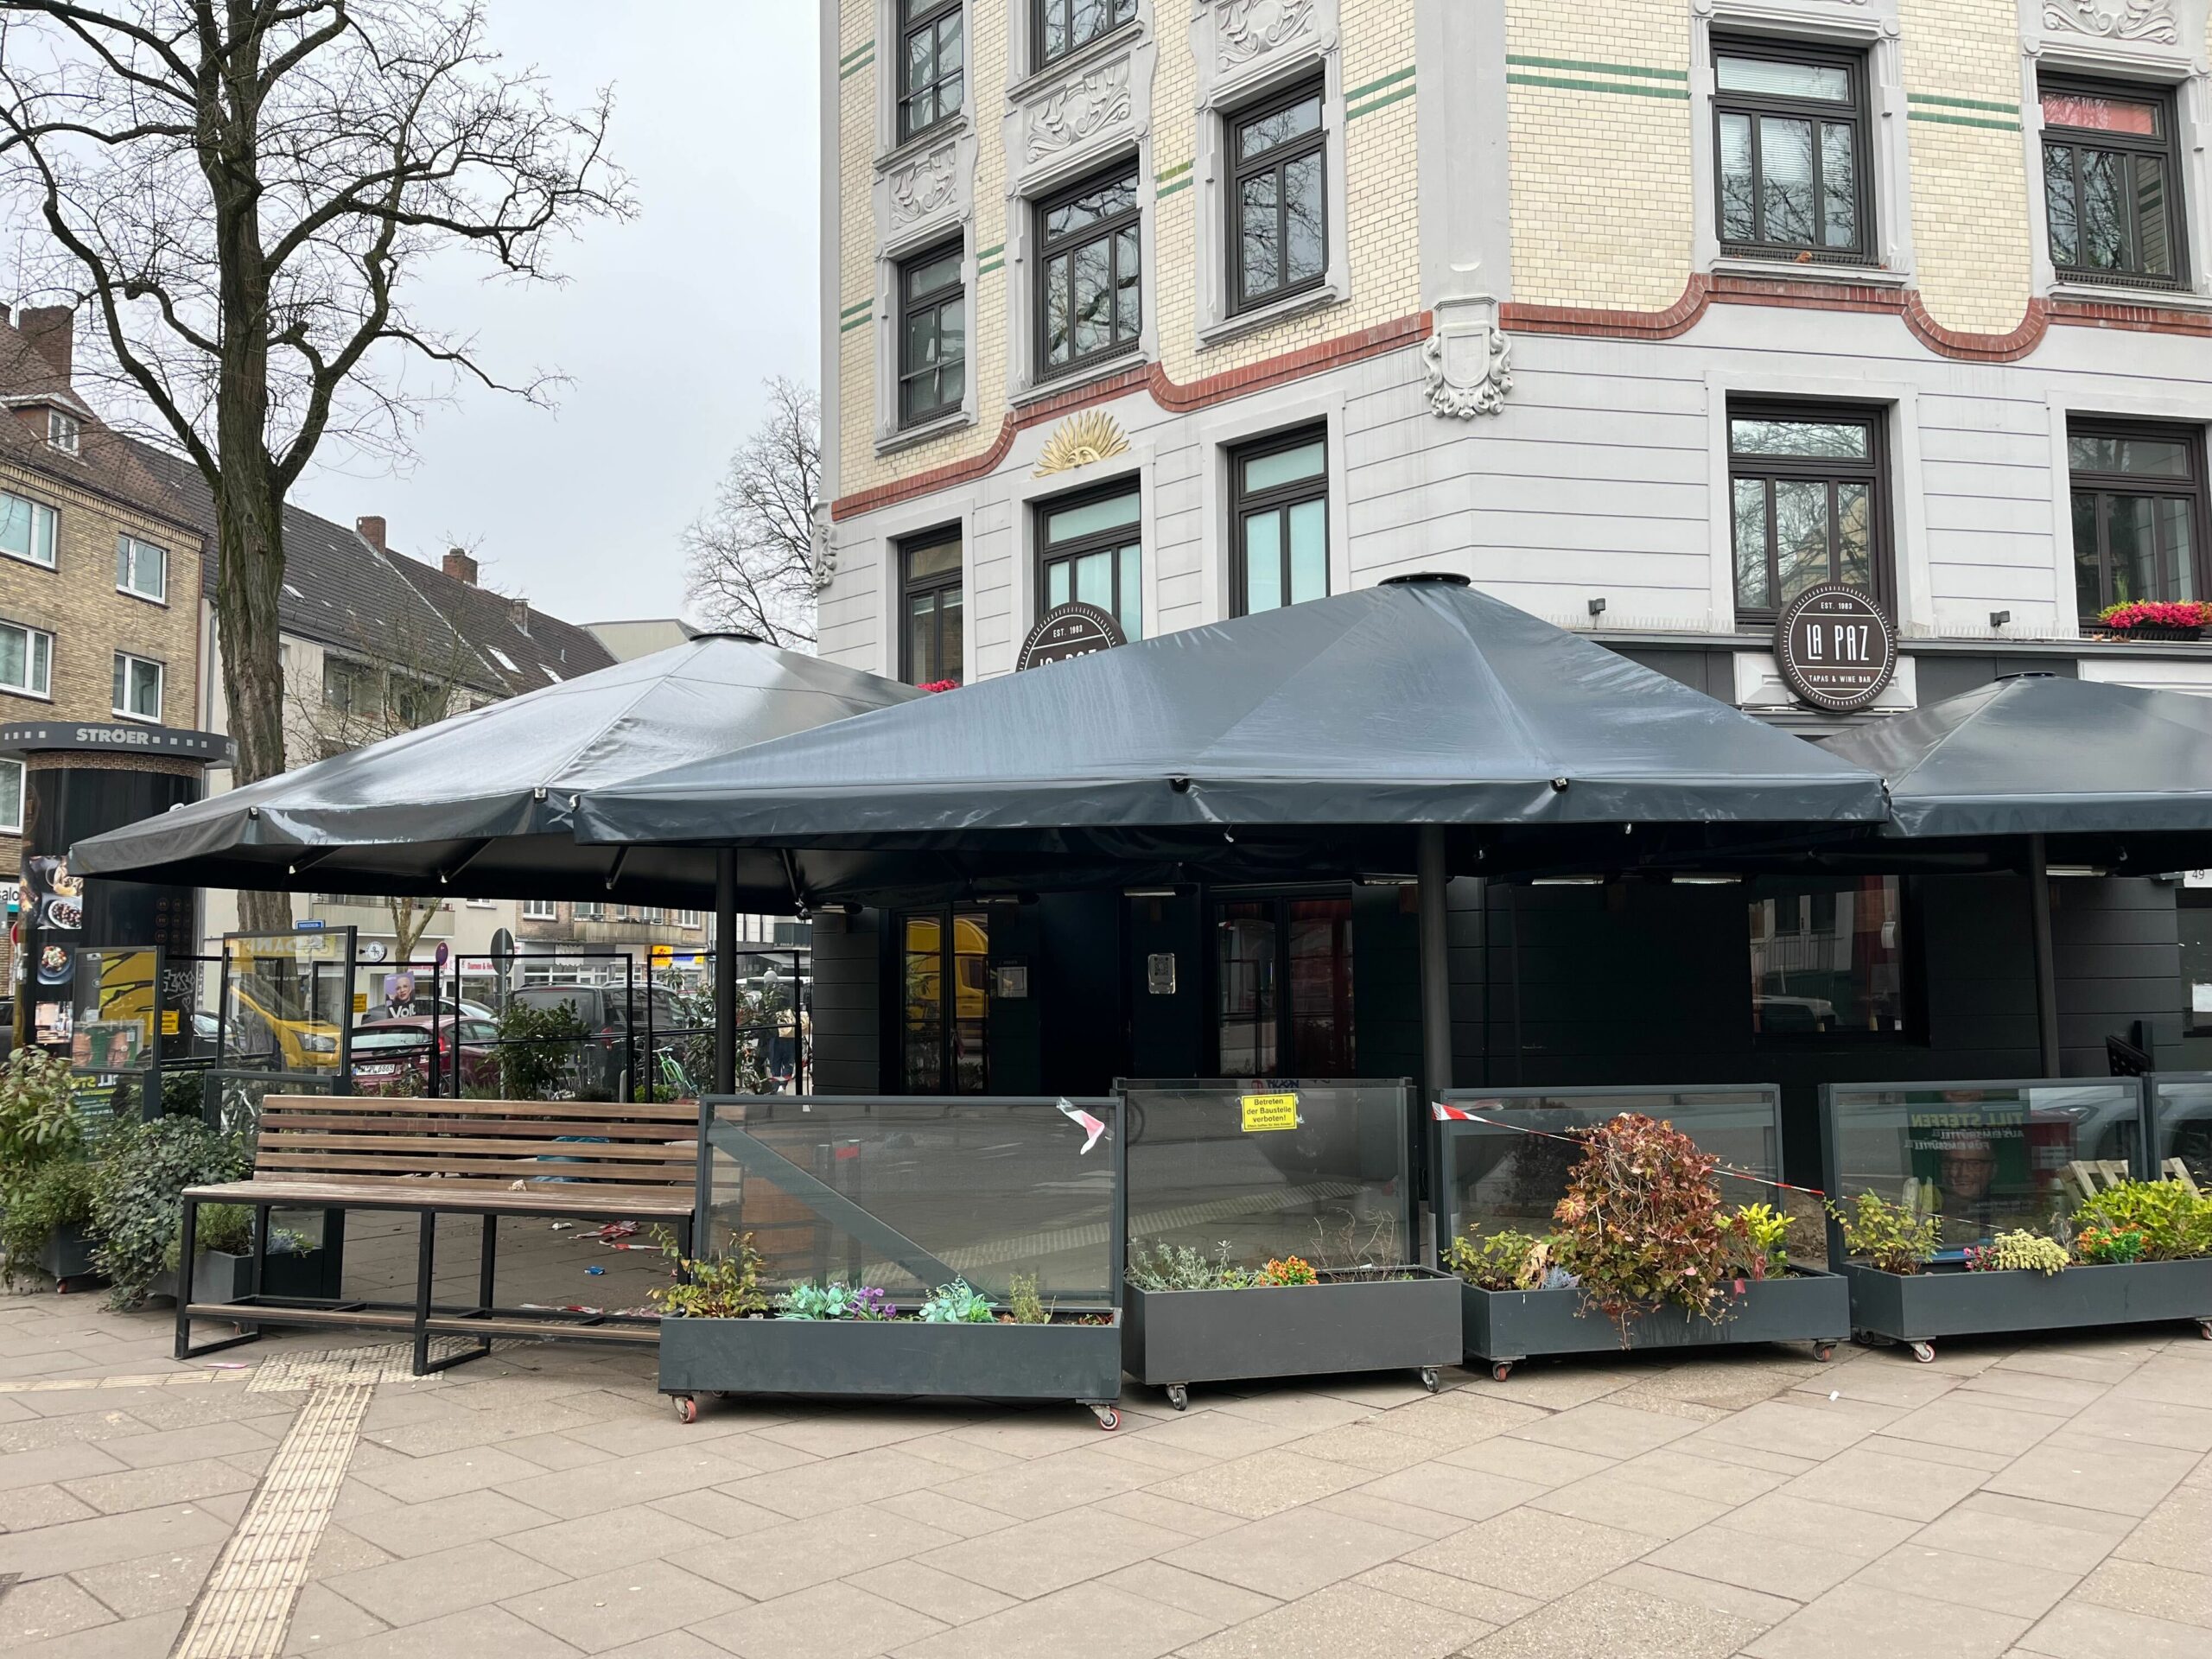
point(399, 993)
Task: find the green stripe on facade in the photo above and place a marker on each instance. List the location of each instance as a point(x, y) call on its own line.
point(1167, 190)
point(865, 46)
point(991, 252)
point(1634, 71)
point(995, 264)
point(1681, 94)
point(855, 308)
point(1989, 121)
point(1962, 102)
point(1373, 105)
point(1390, 80)
point(852, 69)
point(1167, 173)
point(851, 323)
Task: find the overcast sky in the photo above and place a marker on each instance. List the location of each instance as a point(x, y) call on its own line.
point(665, 329)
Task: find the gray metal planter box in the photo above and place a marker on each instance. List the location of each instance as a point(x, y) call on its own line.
point(894, 1358)
point(1505, 1326)
point(1949, 1302)
point(1179, 1337)
point(218, 1276)
point(67, 1254)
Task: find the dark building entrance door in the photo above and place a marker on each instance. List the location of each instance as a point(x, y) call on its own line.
point(945, 1010)
point(1283, 987)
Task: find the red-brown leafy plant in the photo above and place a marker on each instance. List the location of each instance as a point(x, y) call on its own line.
point(1641, 1224)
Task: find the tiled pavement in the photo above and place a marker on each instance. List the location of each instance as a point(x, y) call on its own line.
point(2048, 1498)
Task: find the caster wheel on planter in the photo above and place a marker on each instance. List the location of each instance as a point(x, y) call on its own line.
point(1178, 1396)
point(686, 1408)
point(1824, 1352)
point(1500, 1371)
point(1923, 1351)
point(1108, 1418)
point(2204, 1329)
point(1429, 1380)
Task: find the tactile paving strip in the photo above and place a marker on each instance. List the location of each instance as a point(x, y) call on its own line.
point(247, 1604)
point(370, 1362)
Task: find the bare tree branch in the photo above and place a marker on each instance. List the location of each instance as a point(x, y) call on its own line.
point(750, 556)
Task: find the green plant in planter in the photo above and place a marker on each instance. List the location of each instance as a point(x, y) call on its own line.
point(1758, 1241)
point(1023, 1302)
point(1886, 1236)
point(227, 1230)
point(2099, 1247)
point(830, 1301)
point(711, 1288)
point(540, 1049)
point(57, 1194)
point(1640, 1225)
point(957, 1303)
point(2017, 1252)
point(138, 1171)
point(1498, 1261)
point(38, 1114)
point(2175, 1222)
point(1184, 1267)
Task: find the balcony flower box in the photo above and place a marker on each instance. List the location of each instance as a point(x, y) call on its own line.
point(2156, 620)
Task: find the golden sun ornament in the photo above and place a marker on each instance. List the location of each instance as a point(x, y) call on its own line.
point(1078, 441)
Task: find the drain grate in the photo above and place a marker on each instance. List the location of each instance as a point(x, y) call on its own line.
point(246, 1605)
point(370, 1362)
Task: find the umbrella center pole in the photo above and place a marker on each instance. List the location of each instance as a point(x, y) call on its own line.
point(1435, 1000)
point(726, 971)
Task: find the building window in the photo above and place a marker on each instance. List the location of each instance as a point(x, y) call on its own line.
point(1066, 26)
point(11, 798)
point(932, 336)
point(687, 918)
point(945, 1002)
point(26, 660)
point(1283, 1001)
point(2139, 513)
point(141, 568)
point(137, 686)
point(1093, 552)
point(1278, 234)
point(352, 688)
point(588, 910)
point(1280, 492)
point(930, 65)
point(416, 702)
point(2111, 180)
point(26, 529)
point(1089, 275)
point(1790, 142)
point(2193, 917)
point(63, 430)
point(538, 910)
point(1809, 495)
point(1828, 959)
point(930, 649)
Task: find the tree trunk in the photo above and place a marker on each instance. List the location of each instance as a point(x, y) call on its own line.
point(251, 574)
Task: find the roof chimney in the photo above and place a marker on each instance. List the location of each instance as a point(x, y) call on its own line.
point(49, 330)
point(460, 566)
point(518, 609)
point(371, 529)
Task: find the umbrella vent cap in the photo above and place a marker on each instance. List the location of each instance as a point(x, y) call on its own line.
point(1448, 578)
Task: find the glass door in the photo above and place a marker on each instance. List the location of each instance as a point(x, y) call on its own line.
point(944, 1016)
point(1283, 985)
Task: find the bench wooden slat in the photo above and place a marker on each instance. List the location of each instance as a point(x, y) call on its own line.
point(604, 1127)
point(450, 1324)
point(640, 1111)
point(507, 1169)
point(658, 1152)
point(245, 1314)
point(304, 1192)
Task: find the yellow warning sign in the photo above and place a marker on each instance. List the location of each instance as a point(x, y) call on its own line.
point(171, 1022)
point(360, 1001)
point(1269, 1112)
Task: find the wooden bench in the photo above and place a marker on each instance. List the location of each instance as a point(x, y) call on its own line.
point(491, 1158)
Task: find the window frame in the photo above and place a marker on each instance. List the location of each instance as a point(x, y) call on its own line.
point(1049, 249)
point(909, 306)
point(1244, 504)
point(2106, 484)
point(1275, 160)
point(63, 431)
point(911, 587)
point(52, 520)
point(2167, 148)
point(540, 910)
point(1278, 901)
point(1882, 540)
point(125, 660)
point(13, 825)
point(1858, 111)
point(948, 918)
point(1041, 59)
point(1912, 1026)
point(1050, 553)
point(912, 18)
point(44, 694)
point(127, 546)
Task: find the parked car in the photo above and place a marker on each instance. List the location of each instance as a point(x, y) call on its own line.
point(393, 1057)
point(614, 1018)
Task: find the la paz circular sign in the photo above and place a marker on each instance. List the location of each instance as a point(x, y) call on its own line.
point(1068, 630)
point(1836, 648)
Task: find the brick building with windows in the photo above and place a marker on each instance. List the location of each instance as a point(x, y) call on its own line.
point(1645, 316)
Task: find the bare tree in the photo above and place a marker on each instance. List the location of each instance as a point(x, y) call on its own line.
point(241, 190)
point(751, 555)
point(396, 680)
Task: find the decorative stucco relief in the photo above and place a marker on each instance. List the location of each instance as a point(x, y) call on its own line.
point(2149, 21)
point(922, 186)
point(1086, 105)
point(1242, 29)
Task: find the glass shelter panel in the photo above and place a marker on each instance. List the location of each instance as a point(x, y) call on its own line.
point(910, 1193)
point(2181, 1128)
point(1507, 1174)
point(1271, 1168)
point(114, 1032)
point(287, 1000)
point(1982, 1158)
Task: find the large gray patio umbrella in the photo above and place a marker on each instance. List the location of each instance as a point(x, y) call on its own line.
point(2112, 777)
point(1378, 719)
point(478, 805)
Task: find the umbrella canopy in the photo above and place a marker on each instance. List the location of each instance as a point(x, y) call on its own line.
point(1419, 702)
point(2038, 754)
point(480, 805)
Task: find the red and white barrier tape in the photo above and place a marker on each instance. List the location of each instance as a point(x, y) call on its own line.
point(1449, 1113)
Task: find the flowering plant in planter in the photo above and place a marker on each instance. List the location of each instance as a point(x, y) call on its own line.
point(2174, 618)
point(1641, 1225)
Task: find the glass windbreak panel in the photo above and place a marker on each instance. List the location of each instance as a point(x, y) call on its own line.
point(1982, 1159)
point(907, 1195)
point(1254, 1170)
point(286, 1001)
point(114, 1026)
point(1508, 1173)
point(2181, 1129)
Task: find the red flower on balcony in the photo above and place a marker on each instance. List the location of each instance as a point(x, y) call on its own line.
point(2186, 616)
point(939, 685)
